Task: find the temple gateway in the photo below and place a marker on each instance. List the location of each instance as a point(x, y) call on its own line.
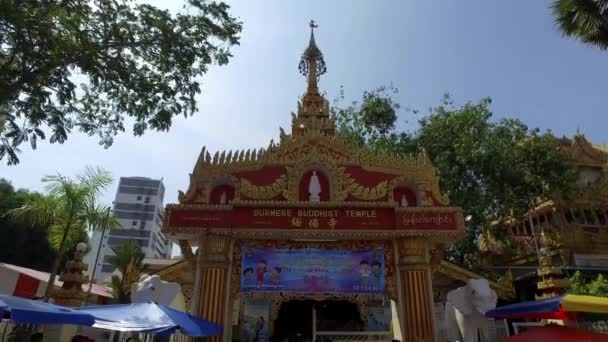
point(312, 236)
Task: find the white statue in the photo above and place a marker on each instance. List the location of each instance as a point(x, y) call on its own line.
point(465, 309)
point(403, 201)
point(151, 288)
point(223, 198)
point(314, 188)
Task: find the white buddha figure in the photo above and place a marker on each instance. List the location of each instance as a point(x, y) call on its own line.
point(403, 202)
point(314, 188)
point(223, 198)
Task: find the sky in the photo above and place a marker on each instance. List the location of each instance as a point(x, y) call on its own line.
point(510, 51)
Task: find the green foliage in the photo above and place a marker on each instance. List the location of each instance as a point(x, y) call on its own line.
point(22, 244)
point(86, 65)
point(578, 284)
point(585, 20)
point(581, 285)
point(69, 209)
point(599, 286)
point(128, 259)
point(371, 122)
point(493, 170)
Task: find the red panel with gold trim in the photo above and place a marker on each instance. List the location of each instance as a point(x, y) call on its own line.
point(315, 218)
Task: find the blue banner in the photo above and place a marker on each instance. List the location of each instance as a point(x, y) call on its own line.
point(312, 270)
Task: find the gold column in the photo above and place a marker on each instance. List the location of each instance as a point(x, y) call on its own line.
point(416, 310)
point(213, 277)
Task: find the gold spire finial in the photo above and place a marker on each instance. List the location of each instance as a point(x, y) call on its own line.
point(312, 65)
point(313, 116)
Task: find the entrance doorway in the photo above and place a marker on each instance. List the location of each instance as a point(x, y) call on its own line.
point(295, 319)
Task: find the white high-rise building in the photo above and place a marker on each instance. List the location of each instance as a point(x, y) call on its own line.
point(138, 207)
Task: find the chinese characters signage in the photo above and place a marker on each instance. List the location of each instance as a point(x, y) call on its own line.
point(317, 218)
point(312, 270)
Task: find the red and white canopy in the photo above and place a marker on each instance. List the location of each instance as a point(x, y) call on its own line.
point(28, 283)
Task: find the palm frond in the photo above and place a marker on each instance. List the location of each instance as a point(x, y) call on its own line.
point(100, 217)
point(95, 179)
point(40, 211)
point(118, 290)
point(586, 20)
point(126, 253)
point(75, 234)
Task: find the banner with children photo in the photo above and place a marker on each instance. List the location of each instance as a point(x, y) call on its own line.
point(312, 270)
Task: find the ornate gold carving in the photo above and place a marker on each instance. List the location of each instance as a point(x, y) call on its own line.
point(313, 158)
point(456, 272)
point(412, 247)
point(186, 250)
point(216, 245)
point(290, 233)
point(364, 193)
point(436, 256)
point(506, 281)
point(330, 153)
point(264, 192)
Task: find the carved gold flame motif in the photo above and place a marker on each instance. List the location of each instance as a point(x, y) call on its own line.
point(364, 193)
point(264, 192)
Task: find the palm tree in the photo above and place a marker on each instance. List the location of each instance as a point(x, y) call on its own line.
point(586, 20)
point(69, 208)
point(128, 259)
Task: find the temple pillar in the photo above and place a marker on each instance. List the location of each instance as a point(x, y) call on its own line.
point(212, 281)
point(416, 309)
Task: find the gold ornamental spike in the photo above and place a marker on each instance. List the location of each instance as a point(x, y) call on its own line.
point(242, 156)
point(207, 157)
point(216, 158)
point(229, 157)
point(200, 160)
point(247, 155)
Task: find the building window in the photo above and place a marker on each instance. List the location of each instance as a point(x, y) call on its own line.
point(139, 198)
point(147, 199)
point(134, 223)
point(142, 224)
point(106, 268)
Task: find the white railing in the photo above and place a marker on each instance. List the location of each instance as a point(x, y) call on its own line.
point(596, 326)
point(348, 336)
point(498, 330)
point(523, 326)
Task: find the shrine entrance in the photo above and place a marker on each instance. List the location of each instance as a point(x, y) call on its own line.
point(299, 320)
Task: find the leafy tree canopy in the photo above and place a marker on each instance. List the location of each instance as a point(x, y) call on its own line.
point(87, 65)
point(585, 20)
point(581, 285)
point(22, 244)
point(493, 169)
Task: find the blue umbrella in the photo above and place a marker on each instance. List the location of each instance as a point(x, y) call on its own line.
point(27, 311)
point(149, 318)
